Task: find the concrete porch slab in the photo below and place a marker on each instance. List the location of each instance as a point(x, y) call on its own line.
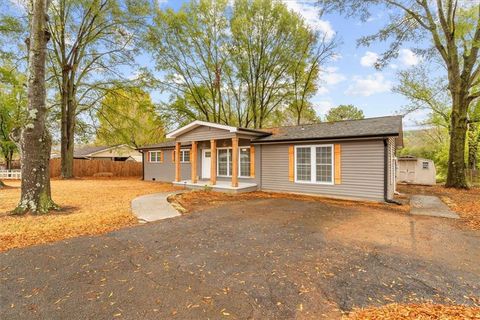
point(430, 206)
point(221, 186)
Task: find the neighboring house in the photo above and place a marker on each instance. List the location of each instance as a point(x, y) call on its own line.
point(114, 153)
point(415, 170)
point(346, 159)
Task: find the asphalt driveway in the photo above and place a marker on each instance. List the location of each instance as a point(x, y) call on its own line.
point(261, 259)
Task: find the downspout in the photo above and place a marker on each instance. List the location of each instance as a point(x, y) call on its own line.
point(143, 165)
point(385, 174)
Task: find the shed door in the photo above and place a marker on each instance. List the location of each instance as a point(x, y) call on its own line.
point(411, 165)
point(406, 171)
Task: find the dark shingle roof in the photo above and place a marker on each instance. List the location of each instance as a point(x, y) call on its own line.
point(166, 144)
point(83, 151)
point(381, 126)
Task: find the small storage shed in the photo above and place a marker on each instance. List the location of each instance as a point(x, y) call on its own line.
point(416, 170)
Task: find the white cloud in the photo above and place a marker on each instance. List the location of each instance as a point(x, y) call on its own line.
point(322, 90)
point(336, 56)
point(310, 12)
point(328, 78)
point(322, 106)
point(369, 85)
point(369, 59)
point(408, 58)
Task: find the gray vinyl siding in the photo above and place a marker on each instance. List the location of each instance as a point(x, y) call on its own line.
point(205, 133)
point(165, 171)
point(362, 167)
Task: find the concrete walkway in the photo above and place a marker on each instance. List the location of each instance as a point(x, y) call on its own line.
point(431, 206)
point(153, 207)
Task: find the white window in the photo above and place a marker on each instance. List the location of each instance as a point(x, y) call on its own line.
point(224, 162)
point(184, 156)
point(244, 162)
point(314, 164)
point(155, 156)
point(425, 164)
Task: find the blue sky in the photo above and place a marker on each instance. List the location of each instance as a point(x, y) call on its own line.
point(351, 79)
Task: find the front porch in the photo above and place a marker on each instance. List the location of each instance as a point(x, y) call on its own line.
point(222, 186)
point(217, 153)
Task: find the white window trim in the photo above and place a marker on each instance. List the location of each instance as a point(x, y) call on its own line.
point(159, 156)
point(182, 151)
point(313, 164)
point(229, 169)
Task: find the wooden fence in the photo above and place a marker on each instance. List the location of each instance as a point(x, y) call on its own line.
point(90, 168)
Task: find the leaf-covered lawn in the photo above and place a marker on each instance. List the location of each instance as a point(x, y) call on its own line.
point(89, 207)
point(425, 311)
point(466, 203)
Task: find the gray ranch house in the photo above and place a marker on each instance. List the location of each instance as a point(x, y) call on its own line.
point(346, 159)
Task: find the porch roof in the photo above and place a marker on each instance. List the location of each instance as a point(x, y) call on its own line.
point(198, 123)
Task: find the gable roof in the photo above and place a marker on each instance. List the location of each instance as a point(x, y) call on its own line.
point(198, 123)
point(371, 127)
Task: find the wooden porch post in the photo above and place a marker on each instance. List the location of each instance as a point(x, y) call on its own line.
point(177, 162)
point(213, 162)
point(235, 162)
point(193, 161)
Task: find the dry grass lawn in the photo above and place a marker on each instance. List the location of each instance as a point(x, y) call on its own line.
point(410, 311)
point(89, 207)
point(464, 202)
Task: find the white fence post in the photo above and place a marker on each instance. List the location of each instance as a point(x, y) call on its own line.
point(11, 174)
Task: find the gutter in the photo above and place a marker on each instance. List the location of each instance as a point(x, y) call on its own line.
point(325, 138)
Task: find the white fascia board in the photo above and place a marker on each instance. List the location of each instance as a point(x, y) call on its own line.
point(198, 123)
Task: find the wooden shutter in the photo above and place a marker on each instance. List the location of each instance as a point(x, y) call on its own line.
point(252, 161)
point(148, 156)
point(173, 156)
point(291, 163)
point(161, 156)
point(338, 164)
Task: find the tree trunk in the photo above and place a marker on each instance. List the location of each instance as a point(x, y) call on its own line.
point(35, 140)
point(456, 165)
point(68, 132)
point(9, 159)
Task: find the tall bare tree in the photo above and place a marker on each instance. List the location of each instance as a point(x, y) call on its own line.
point(35, 140)
point(91, 41)
point(237, 64)
point(452, 31)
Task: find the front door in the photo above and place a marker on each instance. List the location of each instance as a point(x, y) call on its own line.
point(206, 165)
